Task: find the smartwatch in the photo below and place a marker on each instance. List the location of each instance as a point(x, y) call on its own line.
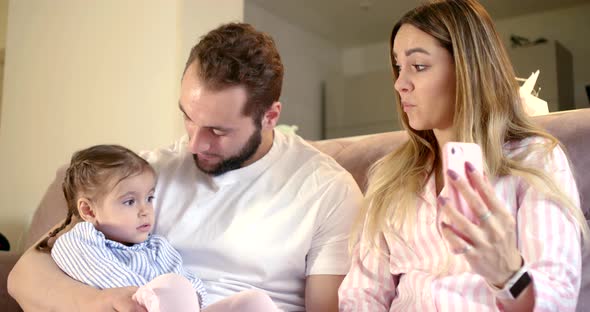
point(514, 286)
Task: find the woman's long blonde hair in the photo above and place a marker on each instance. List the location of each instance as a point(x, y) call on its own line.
point(488, 111)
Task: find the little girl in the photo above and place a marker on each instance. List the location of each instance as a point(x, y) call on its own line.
point(112, 190)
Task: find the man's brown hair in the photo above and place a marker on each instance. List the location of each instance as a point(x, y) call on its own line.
point(236, 54)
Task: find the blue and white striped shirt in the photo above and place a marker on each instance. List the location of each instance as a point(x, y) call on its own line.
point(87, 256)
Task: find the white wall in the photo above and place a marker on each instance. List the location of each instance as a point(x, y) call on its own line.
point(80, 73)
point(308, 60)
point(195, 18)
point(360, 104)
point(370, 58)
point(3, 21)
point(569, 26)
point(361, 99)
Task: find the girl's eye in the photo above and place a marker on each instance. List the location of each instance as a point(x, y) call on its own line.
point(129, 202)
point(397, 68)
point(150, 198)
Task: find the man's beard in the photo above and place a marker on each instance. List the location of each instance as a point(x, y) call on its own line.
point(235, 162)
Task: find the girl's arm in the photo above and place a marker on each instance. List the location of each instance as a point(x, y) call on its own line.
point(38, 284)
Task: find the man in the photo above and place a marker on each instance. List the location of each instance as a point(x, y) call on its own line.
point(246, 206)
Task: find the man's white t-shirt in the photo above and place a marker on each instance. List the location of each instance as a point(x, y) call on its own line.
point(264, 226)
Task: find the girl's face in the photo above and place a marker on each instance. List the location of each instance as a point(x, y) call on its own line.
point(126, 214)
point(426, 79)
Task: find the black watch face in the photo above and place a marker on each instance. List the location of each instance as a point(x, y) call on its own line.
point(520, 285)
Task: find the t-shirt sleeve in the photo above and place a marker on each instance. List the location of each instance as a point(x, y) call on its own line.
point(340, 204)
point(82, 254)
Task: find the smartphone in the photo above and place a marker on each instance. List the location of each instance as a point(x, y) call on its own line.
point(455, 154)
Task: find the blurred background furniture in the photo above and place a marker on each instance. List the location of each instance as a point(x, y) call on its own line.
point(4, 244)
point(557, 71)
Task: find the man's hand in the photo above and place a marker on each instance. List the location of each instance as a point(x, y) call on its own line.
point(117, 299)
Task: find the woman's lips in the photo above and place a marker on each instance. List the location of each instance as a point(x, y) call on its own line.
point(407, 106)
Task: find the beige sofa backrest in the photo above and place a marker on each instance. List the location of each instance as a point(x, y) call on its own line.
point(356, 154)
point(572, 128)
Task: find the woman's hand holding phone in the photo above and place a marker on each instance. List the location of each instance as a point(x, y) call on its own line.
point(481, 228)
point(455, 155)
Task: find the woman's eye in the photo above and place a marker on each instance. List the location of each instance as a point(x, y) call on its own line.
point(129, 202)
point(397, 68)
point(419, 67)
point(150, 198)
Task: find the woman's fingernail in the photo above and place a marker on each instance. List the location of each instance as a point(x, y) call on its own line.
point(442, 201)
point(453, 174)
point(469, 166)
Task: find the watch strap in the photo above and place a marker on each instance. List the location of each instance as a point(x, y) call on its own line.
point(514, 286)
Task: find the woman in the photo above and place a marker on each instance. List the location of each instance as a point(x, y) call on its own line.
point(413, 251)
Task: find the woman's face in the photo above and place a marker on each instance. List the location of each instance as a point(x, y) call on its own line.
point(426, 79)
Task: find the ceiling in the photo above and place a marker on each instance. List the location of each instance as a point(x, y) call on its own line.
point(349, 23)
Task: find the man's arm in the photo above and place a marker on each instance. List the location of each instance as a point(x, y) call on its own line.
point(321, 292)
point(37, 284)
point(328, 259)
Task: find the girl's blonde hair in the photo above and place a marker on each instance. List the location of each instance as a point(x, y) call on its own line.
point(488, 111)
point(93, 172)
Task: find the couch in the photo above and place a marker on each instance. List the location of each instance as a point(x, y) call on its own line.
point(355, 154)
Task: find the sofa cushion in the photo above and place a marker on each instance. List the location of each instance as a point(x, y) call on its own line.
point(572, 128)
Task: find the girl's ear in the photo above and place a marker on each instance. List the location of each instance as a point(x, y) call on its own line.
point(86, 210)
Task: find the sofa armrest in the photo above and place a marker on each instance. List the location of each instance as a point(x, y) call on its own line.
point(7, 261)
point(52, 209)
